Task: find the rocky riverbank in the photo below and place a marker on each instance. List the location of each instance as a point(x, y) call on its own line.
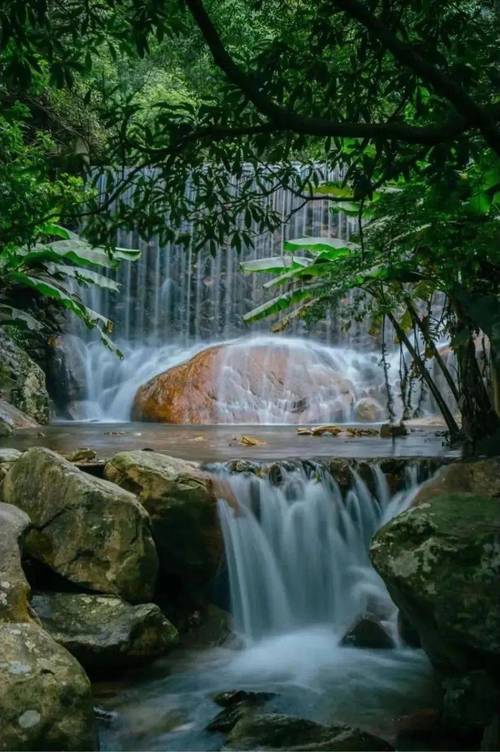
point(99, 574)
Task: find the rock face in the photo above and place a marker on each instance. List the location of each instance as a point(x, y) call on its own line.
point(368, 633)
point(7, 459)
point(481, 477)
point(12, 418)
point(66, 373)
point(368, 410)
point(14, 588)
point(87, 530)
point(103, 631)
point(22, 381)
point(181, 502)
point(441, 564)
point(45, 696)
point(243, 384)
point(276, 731)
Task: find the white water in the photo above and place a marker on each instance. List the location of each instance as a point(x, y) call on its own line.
point(297, 553)
point(295, 381)
point(299, 576)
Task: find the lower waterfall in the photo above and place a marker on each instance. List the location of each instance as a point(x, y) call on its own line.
point(297, 552)
point(299, 571)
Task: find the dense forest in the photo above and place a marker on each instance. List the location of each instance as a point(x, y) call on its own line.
point(390, 93)
point(249, 375)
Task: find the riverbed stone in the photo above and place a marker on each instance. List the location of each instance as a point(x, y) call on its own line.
point(14, 587)
point(481, 477)
point(182, 503)
point(103, 631)
point(367, 632)
point(11, 418)
point(91, 532)
point(7, 459)
point(45, 695)
point(441, 564)
point(278, 731)
point(22, 381)
point(368, 410)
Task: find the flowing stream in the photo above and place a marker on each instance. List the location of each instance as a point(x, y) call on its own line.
point(299, 574)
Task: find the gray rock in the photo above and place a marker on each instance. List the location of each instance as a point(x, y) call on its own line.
point(236, 704)
point(276, 731)
point(14, 587)
point(103, 631)
point(480, 477)
point(11, 418)
point(441, 564)
point(470, 701)
point(368, 633)
point(67, 371)
point(86, 529)
point(45, 695)
point(7, 459)
point(22, 381)
point(181, 501)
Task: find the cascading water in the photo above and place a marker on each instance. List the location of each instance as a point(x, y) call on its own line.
point(297, 557)
point(297, 552)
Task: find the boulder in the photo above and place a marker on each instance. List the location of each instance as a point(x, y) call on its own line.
point(393, 430)
point(14, 588)
point(368, 633)
point(11, 418)
point(22, 381)
point(67, 370)
point(368, 410)
point(85, 529)
point(7, 459)
point(441, 564)
point(182, 504)
point(236, 704)
point(45, 695)
point(103, 631)
point(242, 382)
point(470, 703)
point(481, 477)
point(277, 731)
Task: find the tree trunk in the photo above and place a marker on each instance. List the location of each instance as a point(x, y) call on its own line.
point(441, 403)
point(479, 418)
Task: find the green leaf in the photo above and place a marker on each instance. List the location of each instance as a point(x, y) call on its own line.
point(316, 245)
point(274, 264)
point(278, 304)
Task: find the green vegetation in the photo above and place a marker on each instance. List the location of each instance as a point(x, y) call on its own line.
point(390, 91)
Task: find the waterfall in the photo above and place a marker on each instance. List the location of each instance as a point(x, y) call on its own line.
point(297, 552)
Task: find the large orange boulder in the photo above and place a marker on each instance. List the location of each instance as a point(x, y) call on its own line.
point(257, 381)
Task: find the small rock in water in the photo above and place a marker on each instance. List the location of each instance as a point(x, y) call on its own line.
point(321, 430)
point(304, 431)
point(83, 454)
point(236, 696)
point(368, 633)
point(393, 430)
point(106, 716)
point(237, 704)
point(250, 441)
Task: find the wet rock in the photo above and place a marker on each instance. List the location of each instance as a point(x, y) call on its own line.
point(82, 455)
point(7, 459)
point(11, 418)
point(264, 374)
point(236, 696)
point(368, 410)
point(86, 529)
point(45, 695)
point(420, 730)
point(103, 631)
point(407, 632)
point(22, 381)
point(392, 430)
point(470, 702)
point(14, 588)
point(481, 477)
point(276, 731)
point(67, 370)
point(368, 633)
point(208, 626)
point(182, 504)
point(441, 564)
point(237, 704)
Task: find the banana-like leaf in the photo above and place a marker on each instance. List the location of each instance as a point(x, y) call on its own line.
point(316, 245)
point(275, 264)
point(282, 324)
point(11, 315)
point(279, 303)
point(87, 276)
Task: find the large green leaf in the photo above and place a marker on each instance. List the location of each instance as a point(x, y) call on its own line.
point(316, 245)
point(279, 304)
point(275, 264)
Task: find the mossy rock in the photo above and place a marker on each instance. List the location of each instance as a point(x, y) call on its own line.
point(441, 564)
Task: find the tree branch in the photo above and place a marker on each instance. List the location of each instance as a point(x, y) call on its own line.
point(285, 119)
point(474, 114)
